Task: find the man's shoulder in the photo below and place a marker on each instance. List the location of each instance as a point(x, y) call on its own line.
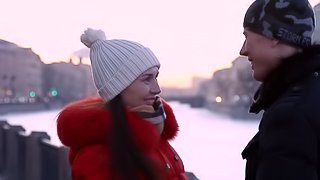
point(301, 100)
point(305, 93)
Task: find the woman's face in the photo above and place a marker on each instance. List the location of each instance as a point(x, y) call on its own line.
point(143, 90)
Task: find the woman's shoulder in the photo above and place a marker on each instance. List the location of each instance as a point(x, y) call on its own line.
point(82, 110)
point(86, 102)
point(82, 122)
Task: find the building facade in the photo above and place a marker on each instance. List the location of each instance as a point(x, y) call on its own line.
point(20, 73)
point(66, 81)
point(24, 78)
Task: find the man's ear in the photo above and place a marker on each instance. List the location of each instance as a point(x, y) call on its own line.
point(275, 42)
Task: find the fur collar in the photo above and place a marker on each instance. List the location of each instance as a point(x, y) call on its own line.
point(81, 123)
point(293, 70)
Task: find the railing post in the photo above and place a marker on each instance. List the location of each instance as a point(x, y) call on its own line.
point(3, 128)
point(13, 158)
point(21, 155)
point(64, 167)
point(33, 171)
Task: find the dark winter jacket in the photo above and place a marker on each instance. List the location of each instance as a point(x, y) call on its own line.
point(286, 146)
point(85, 130)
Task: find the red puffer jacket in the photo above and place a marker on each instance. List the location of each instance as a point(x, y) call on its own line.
point(84, 129)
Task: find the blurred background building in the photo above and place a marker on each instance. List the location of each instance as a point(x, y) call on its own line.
point(20, 73)
point(68, 81)
point(24, 78)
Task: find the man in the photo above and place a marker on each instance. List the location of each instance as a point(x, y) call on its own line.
point(278, 45)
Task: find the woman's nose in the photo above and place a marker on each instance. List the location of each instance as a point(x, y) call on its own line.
point(155, 89)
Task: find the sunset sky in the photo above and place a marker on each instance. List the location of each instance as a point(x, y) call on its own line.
point(189, 37)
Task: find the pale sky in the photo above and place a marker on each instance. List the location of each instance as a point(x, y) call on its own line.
point(189, 37)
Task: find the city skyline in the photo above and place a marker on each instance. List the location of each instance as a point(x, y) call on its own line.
point(190, 38)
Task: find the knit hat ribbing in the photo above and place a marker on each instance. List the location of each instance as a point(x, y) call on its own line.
point(290, 21)
point(116, 63)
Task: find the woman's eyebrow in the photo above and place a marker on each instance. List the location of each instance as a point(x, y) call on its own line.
point(150, 74)
point(146, 75)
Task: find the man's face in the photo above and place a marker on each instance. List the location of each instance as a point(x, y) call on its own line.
point(262, 54)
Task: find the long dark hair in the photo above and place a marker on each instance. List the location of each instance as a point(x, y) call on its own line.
point(128, 161)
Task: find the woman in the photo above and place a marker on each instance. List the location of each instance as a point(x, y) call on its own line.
point(123, 134)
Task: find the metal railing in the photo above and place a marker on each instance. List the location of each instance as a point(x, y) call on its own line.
point(33, 157)
point(30, 157)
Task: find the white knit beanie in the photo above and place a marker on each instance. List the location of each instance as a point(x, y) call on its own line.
point(116, 63)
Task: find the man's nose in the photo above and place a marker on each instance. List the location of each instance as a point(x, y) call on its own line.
point(243, 51)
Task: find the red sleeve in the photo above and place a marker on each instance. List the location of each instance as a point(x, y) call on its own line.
point(92, 163)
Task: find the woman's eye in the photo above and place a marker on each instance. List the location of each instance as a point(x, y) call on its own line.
point(147, 80)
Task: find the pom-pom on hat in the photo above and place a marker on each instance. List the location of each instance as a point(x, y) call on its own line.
point(116, 63)
point(290, 21)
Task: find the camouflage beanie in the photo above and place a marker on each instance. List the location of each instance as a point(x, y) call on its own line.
point(290, 21)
